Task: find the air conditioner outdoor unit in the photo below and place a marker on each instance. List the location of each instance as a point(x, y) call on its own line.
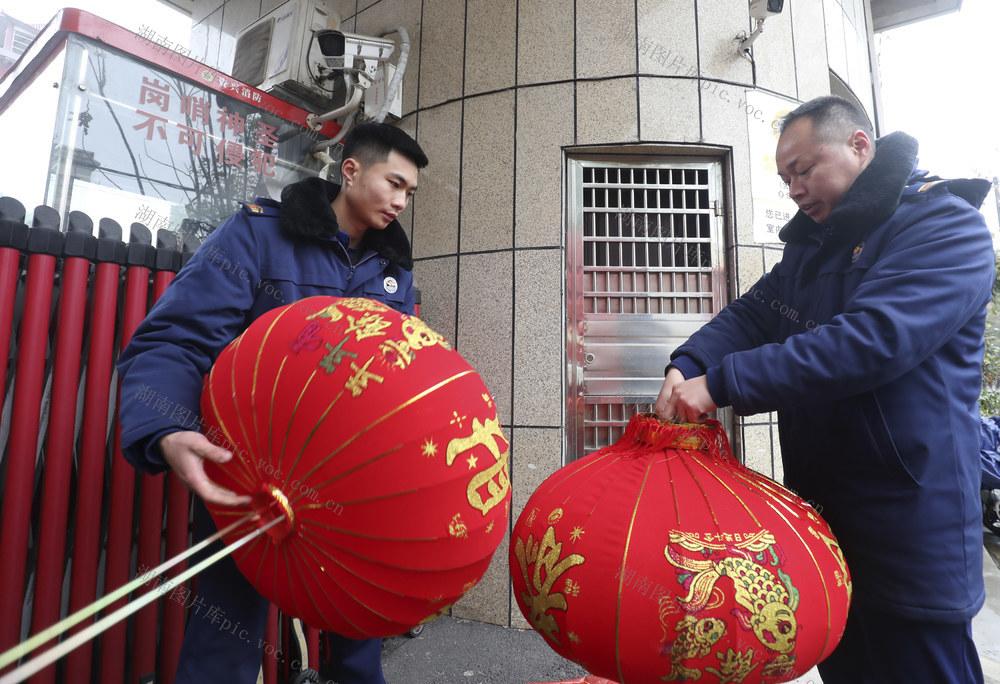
point(274, 53)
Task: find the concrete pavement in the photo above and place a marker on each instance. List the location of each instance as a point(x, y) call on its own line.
point(455, 651)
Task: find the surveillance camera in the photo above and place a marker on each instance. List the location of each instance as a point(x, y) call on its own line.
point(343, 50)
point(762, 9)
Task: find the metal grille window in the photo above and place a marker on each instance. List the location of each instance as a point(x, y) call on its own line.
point(647, 241)
point(606, 418)
point(644, 264)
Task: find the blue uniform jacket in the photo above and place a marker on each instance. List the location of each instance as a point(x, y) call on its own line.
point(867, 339)
point(988, 452)
point(266, 255)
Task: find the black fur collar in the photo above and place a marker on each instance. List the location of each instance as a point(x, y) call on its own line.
point(869, 202)
point(306, 211)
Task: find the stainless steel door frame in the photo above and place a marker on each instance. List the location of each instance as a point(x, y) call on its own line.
point(645, 252)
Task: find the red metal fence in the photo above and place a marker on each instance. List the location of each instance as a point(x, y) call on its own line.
point(76, 520)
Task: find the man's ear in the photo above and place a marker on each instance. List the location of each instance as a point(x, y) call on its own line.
point(349, 169)
point(861, 144)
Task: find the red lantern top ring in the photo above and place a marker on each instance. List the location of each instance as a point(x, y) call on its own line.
point(649, 433)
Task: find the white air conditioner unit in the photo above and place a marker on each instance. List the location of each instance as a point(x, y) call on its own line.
point(274, 53)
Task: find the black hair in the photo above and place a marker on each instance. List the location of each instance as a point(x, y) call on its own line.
point(371, 143)
point(832, 117)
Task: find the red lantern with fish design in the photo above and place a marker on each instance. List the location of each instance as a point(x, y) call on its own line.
point(662, 558)
point(379, 448)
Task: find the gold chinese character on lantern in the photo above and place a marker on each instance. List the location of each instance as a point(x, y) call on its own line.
point(331, 312)
point(544, 555)
point(358, 383)
point(495, 478)
point(369, 325)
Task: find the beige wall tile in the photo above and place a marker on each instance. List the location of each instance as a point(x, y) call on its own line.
point(537, 454)
point(544, 40)
point(758, 441)
point(667, 38)
point(606, 112)
point(668, 110)
point(488, 173)
point(490, 45)
point(544, 126)
point(437, 281)
point(724, 122)
point(719, 21)
point(757, 447)
point(538, 344)
point(605, 38)
point(489, 601)
point(442, 53)
point(435, 205)
point(485, 316)
point(772, 52)
point(409, 126)
point(750, 267)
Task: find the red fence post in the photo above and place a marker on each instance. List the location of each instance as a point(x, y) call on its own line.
point(13, 239)
point(111, 253)
point(78, 251)
point(139, 261)
point(166, 264)
point(44, 245)
point(269, 664)
point(178, 498)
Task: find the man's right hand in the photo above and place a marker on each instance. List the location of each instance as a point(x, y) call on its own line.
point(674, 377)
point(184, 451)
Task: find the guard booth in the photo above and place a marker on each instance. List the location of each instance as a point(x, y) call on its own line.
point(129, 140)
point(132, 131)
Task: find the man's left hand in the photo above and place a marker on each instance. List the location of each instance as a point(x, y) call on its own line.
point(690, 401)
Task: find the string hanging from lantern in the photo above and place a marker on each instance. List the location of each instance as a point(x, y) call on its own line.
point(48, 657)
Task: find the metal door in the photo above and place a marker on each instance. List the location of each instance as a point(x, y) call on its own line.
point(645, 255)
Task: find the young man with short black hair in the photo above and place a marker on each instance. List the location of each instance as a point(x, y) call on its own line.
point(321, 239)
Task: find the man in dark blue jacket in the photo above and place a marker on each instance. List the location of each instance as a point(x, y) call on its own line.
point(867, 339)
point(322, 239)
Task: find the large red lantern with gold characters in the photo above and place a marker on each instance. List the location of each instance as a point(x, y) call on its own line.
point(662, 558)
point(379, 448)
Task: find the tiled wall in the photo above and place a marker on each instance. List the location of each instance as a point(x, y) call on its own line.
point(497, 91)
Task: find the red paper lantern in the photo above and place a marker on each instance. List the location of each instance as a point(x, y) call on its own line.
point(380, 449)
point(662, 558)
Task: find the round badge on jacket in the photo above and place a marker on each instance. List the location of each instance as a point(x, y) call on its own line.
point(390, 284)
